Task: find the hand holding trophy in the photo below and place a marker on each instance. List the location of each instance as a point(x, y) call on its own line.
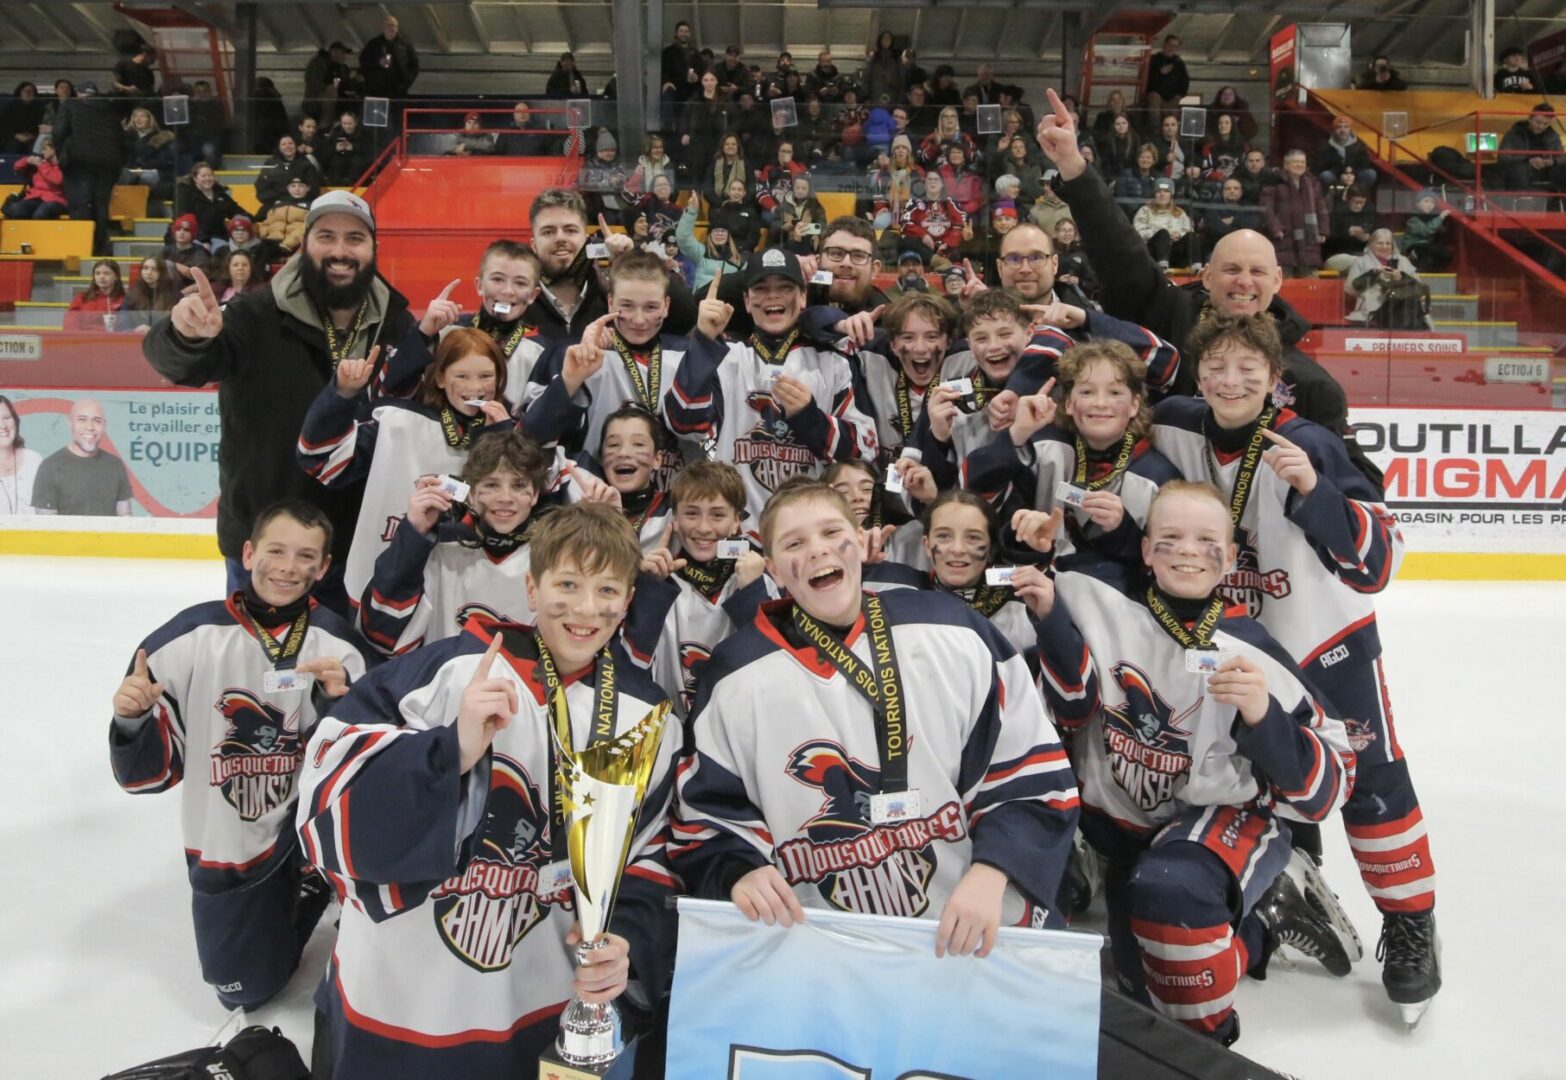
point(600, 790)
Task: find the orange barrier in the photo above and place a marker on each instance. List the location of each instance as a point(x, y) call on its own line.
point(1435, 117)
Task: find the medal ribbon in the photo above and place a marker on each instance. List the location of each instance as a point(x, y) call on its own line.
point(784, 349)
point(1199, 636)
point(457, 430)
point(604, 709)
point(339, 350)
point(1244, 480)
point(707, 582)
point(981, 390)
point(646, 392)
point(512, 340)
point(985, 599)
point(905, 420)
point(281, 655)
point(1121, 461)
point(881, 686)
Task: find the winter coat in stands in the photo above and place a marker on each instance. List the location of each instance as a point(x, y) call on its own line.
point(89, 134)
point(284, 225)
point(44, 181)
point(1296, 215)
point(270, 362)
point(272, 183)
point(742, 219)
point(212, 211)
point(1332, 156)
point(941, 220)
point(388, 67)
point(152, 151)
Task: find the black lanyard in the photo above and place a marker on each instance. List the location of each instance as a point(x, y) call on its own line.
point(1245, 479)
point(282, 655)
point(646, 392)
point(514, 339)
point(985, 599)
point(1121, 461)
point(784, 349)
point(604, 709)
point(340, 350)
point(905, 416)
point(1199, 636)
point(981, 391)
point(707, 582)
point(458, 430)
point(881, 686)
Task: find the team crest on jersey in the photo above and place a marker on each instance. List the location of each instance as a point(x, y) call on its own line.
point(856, 866)
point(1361, 733)
point(485, 912)
point(769, 450)
point(258, 760)
point(483, 612)
point(1248, 583)
point(1149, 751)
point(693, 654)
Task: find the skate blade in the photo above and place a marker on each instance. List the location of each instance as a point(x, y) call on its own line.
point(1310, 882)
point(1413, 1013)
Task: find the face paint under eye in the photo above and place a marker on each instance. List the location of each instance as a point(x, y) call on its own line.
point(845, 545)
point(796, 569)
point(1164, 547)
point(1213, 554)
point(555, 609)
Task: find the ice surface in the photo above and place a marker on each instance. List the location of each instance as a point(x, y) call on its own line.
point(99, 968)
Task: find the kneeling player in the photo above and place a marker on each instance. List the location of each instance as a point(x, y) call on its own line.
point(1197, 737)
point(446, 760)
point(879, 753)
point(240, 683)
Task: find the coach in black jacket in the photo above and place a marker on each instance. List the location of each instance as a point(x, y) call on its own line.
point(90, 144)
point(271, 352)
point(1242, 278)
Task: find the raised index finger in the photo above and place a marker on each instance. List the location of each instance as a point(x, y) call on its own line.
point(1268, 433)
point(204, 288)
point(1062, 117)
point(481, 673)
point(445, 294)
point(141, 663)
point(712, 290)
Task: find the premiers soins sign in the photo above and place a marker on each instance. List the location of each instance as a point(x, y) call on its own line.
point(1471, 480)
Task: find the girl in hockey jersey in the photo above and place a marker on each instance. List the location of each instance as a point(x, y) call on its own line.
point(623, 358)
point(454, 954)
point(1091, 457)
point(440, 570)
point(882, 753)
point(1196, 737)
point(775, 406)
point(1316, 542)
point(507, 283)
point(461, 397)
point(960, 537)
point(877, 511)
point(228, 692)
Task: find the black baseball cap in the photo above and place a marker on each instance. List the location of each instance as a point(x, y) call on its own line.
point(773, 261)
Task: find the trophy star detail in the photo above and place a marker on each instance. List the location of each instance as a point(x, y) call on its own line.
point(600, 790)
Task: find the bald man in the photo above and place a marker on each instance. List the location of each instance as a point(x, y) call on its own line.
point(81, 478)
point(1242, 278)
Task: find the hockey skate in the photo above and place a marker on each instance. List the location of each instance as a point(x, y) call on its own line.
point(1410, 952)
point(1084, 877)
point(1301, 912)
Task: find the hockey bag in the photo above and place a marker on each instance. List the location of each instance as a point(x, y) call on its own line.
point(256, 1053)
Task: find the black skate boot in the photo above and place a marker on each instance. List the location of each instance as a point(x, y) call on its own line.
point(1410, 952)
point(1301, 912)
point(1084, 876)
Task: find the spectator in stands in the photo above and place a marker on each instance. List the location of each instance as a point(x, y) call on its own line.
point(943, 88)
point(1167, 81)
point(731, 72)
point(285, 221)
point(96, 307)
point(241, 274)
point(1172, 154)
point(1222, 154)
point(525, 140)
point(963, 186)
point(728, 165)
point(285, 165)
point(816, 133)
point(1104, 123)
point(801, 217)
point(305, 139)
point(1531, 153)
point(910, 275)
point(208, 202)
point(895, 185)
point(1427, 239)
point(1050, 208)
point(1514, 76)
point(1338, 190)
point(473, 140)
point(1379, 74)
point(717, 252)
point(985, 88)
point(326, 80)
point(204, 134)
point(703, 120)
point(348, 154)
point(1118, 147)
point(947, 130)
point(739, 214)
point(242, 234)
point(679, 72)
point(934, 226)
point(44, 195)
point(1138, 185)
point(19, 119)
point(1352, 222)
point(848, 253)
point(884, 69)
point(825, 80)
point(602, 180)
point(271, 116)
point(1165, 227)
point(91, 148)
point(1228, 100)
point(183, 251)
point(1229, 214)
point(1073, 269)
point(133, 75)
point(775, 180)
point(1256, 176)
point(655, 162)
point(1343, 150)
point(149, 154)
point(565, 81)
point(660, 208)
point(850, 129)
point(1296, 214)
point(153, 293)
point(1387, 288)
point(922, 116)
point(388, 62)
point(64, 90)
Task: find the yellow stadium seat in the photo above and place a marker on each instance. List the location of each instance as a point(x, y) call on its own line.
point(59, 239)
point(127, 203)
point(836, 203)
point(245, 196)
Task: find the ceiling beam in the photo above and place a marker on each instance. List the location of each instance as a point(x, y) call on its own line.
point(521, 24)
point(17, 26)
point(48, 14)
point(1229, 27)
point(267, 26)
point(307, 14)
point(1265, 36)
point(215, 19)
point(91, 20)
point(442, 42)
point(475, 24)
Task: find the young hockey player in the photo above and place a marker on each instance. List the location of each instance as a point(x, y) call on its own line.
point(882, 753)
point(1196, 738)
point(1091, 457)
point(429, 800)
point(701, 589)
point(507, 283)
point(1316, 543)
point(960, 542)
point(877, 511)
point(773, 406)
point(623, 358)
point(399, 440)
point(236, 685)
point(896, 370)
point(440, 569)
point(628, 454)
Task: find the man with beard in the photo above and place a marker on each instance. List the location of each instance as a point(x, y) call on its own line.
point(273, 350)
point(1241, 278)
point(572, 296)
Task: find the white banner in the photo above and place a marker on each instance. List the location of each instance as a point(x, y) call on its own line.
point(1470, 479)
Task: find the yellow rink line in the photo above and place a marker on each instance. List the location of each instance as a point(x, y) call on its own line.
point(1417, 565)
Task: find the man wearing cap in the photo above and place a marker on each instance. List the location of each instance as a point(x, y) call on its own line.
point(272, 351)
point(326, 79)
point(1241, 277)
point(1531, 152)
point(775, 405)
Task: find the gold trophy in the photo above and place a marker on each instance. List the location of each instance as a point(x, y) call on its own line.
point(601, 789)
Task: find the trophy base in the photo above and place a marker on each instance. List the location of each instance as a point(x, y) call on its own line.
point(550, 1067)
